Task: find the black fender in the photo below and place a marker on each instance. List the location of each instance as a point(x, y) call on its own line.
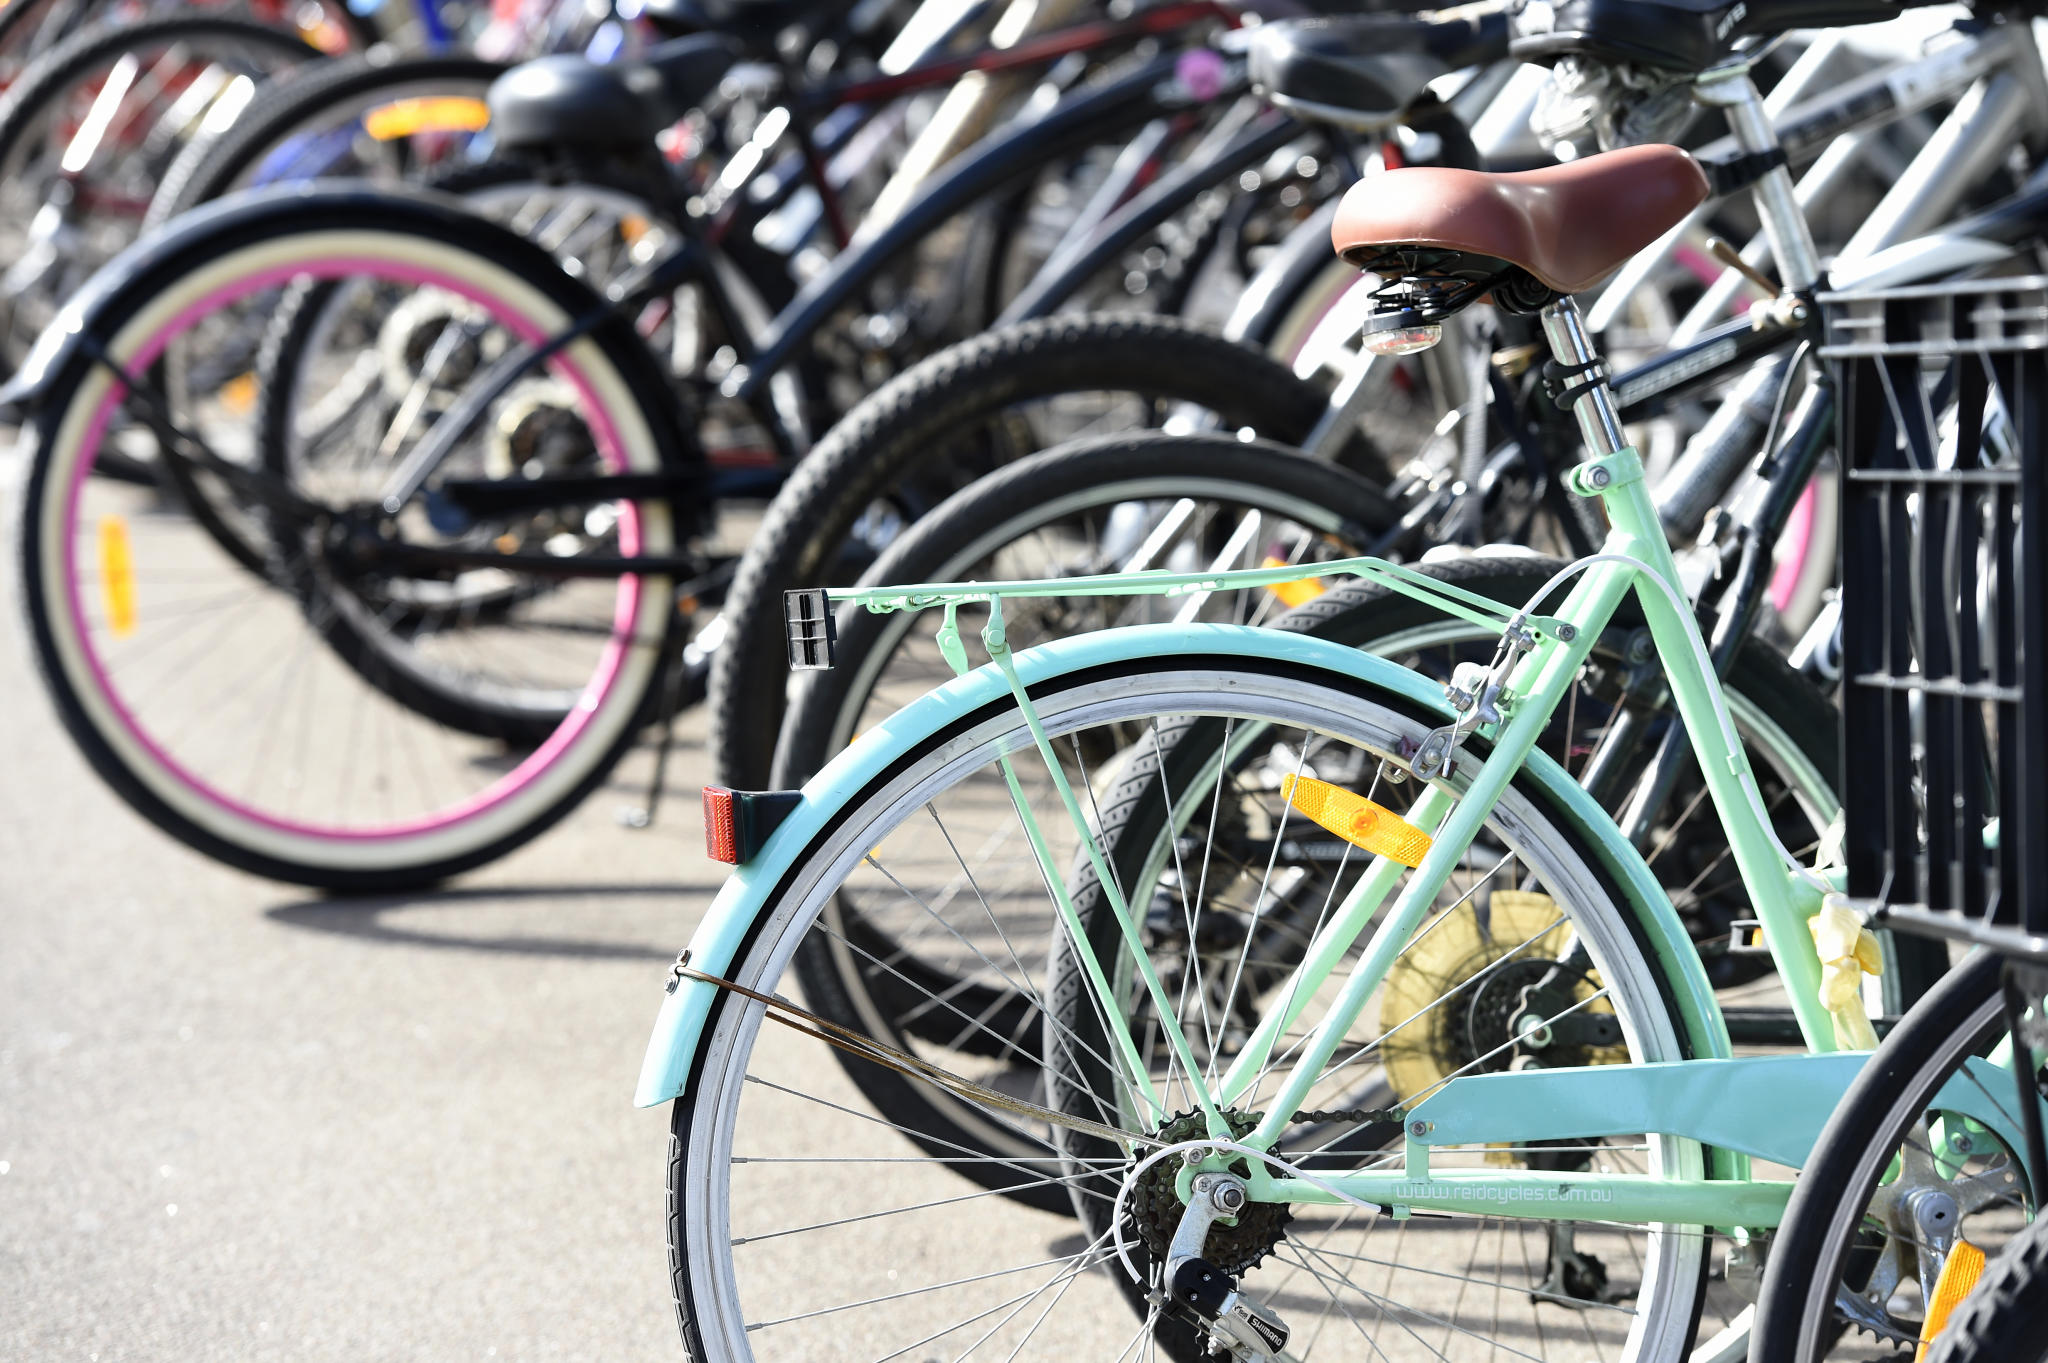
point(92, 316)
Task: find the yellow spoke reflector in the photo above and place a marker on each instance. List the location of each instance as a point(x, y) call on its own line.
point(1959, 1276)
point(238, 394)
point(117, 575)
point(1293, 594)
point(426, 114)
point(1355, 819)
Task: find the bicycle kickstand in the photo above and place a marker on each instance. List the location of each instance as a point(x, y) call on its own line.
point(679, 671)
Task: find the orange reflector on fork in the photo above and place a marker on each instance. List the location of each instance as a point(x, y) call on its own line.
point(1959, 1274)
point(1355, 819)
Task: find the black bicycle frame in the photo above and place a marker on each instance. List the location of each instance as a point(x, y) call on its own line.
point(1090, 117)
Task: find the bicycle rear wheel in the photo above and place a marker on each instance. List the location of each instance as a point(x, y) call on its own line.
point(798, 1228)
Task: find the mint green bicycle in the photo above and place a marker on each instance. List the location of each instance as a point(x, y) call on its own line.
point(1265, 1159)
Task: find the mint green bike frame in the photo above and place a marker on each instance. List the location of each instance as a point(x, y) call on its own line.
point(1763, 1107)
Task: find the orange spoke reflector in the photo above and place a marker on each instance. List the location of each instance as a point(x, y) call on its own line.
point(1292, 593)
point(117, 575)
point(1357, 820)
point(238, 394)
point(427, 114)
point(1959, 1276)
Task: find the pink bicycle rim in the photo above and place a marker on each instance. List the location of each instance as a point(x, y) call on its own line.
point(1799, 542)
point(624, 613)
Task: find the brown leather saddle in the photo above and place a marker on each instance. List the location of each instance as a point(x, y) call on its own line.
point(1568, 226)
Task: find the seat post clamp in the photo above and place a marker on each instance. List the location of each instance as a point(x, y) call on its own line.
point(1597, 477)
point(1567, 383)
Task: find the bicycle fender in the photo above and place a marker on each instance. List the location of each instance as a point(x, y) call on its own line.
point(742, 904)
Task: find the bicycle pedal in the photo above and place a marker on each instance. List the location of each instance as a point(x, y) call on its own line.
point(1746, 938)
point(1357, 820)
point(807, 616)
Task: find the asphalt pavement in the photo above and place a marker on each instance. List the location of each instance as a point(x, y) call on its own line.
point(242, 1121)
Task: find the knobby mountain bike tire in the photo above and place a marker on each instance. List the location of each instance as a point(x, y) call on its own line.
point(1025, 504)
point(1826, 1279)
point(951, 405)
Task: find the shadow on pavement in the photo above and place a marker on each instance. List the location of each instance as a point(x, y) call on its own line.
point(364, 917)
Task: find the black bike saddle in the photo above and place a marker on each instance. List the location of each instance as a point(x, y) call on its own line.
point(1366, 69)
point(575, 102)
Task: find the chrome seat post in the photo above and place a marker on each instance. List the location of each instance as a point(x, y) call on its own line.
point(1729, 88)
point(1593, 405)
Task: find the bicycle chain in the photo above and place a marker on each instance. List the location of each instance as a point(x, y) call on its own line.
point(1359, 1116)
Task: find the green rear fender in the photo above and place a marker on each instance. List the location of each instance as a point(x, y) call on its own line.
point(721, 937)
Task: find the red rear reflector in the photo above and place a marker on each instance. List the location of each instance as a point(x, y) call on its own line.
point(721, 825)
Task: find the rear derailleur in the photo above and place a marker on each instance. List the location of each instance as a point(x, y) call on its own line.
point(1238, 1327)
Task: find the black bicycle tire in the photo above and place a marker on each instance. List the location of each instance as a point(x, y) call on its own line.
point(2005, 1317)
point(1062, 471)
point(206, 169)
point(621, 347)
point(883, 439)
point(1796, 1310)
